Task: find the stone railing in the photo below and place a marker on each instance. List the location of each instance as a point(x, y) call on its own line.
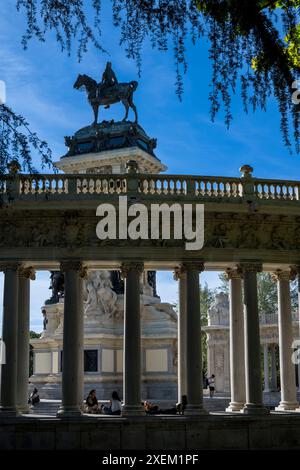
point(276, 189)
point(196, 187)
point(264, 319)
point(272, 319)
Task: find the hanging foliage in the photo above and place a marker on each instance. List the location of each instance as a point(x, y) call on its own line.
point(17, 142)
point(253, 47)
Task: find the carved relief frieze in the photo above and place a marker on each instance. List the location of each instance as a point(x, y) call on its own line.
point(78, 228)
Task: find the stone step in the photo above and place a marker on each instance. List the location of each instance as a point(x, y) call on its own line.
point(49, 407)
point(215, 403)
point(46, 407)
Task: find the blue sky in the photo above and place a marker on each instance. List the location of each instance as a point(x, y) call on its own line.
point(40, 86)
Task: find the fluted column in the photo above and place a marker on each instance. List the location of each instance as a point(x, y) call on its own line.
point(180, 275)
point(254, 402)
point(72, 363)
point(193, 332)
point(266, 368)
point(132, 340)
point(273, 369)
point(25, 274)
point(237, 354)
point(9, 337)
point(285, 329)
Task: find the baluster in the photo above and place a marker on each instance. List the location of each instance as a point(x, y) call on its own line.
point(43, 186)
point(266, 194)
point(144, 187)
point(167, 187)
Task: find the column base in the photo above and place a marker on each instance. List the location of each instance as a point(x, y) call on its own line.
point(69, 412)
point(287, 406)
point(24, 410)
point(131, 410)
point(8, 412)
point(255, 409)
point(235, 406)
point(195, 410)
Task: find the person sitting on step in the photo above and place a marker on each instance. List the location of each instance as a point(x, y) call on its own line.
point(92, 403)
point(115, 406)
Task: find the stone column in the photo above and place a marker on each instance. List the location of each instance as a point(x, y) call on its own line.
point(132, 340)
point(297, 269)
point(236, 343)
point(194, 382)
point(273, 369)
point(9, 337)
point(180, 275)
point(254, 402)
point(25, 274)
point(285, 329)
point(266, 368)
point(72, 361)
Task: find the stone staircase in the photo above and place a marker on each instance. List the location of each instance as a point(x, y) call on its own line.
point(46, 408)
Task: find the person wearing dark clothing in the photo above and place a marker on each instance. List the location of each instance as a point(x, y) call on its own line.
point(34, 397)
point(92, 402)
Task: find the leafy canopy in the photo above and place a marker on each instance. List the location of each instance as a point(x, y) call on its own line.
point(253, 48)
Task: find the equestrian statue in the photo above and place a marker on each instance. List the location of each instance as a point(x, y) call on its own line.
point(108, 92)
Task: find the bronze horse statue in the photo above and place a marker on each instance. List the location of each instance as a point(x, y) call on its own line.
point(98, 95)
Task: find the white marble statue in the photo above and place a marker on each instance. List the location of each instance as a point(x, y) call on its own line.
point(99, 296)
point(218, 314)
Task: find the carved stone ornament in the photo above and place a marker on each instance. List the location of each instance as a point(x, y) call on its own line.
point(250, 267)
point(99, 295)
point(28, 273)
point(193, 265)
point(280, 275)
point(10, 266)
point(70, 265)
point(236, 273)
point(179, 272)
point(126, 267)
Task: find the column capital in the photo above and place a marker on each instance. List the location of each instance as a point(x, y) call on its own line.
point(250, 267)
point(27, 273)
point(234, 273)
point(178, 272)
point(10, 265)
point(131, 265)
point(280, 275)
point(73, 265)
point(193, 265)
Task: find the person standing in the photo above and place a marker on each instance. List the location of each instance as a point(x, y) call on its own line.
point(211, 385)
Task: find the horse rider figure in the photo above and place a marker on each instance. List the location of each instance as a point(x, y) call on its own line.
point(109, 79)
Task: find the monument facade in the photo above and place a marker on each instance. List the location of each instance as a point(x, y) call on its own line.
point(105, 149)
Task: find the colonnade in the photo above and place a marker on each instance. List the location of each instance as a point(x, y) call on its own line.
point(246, 380)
